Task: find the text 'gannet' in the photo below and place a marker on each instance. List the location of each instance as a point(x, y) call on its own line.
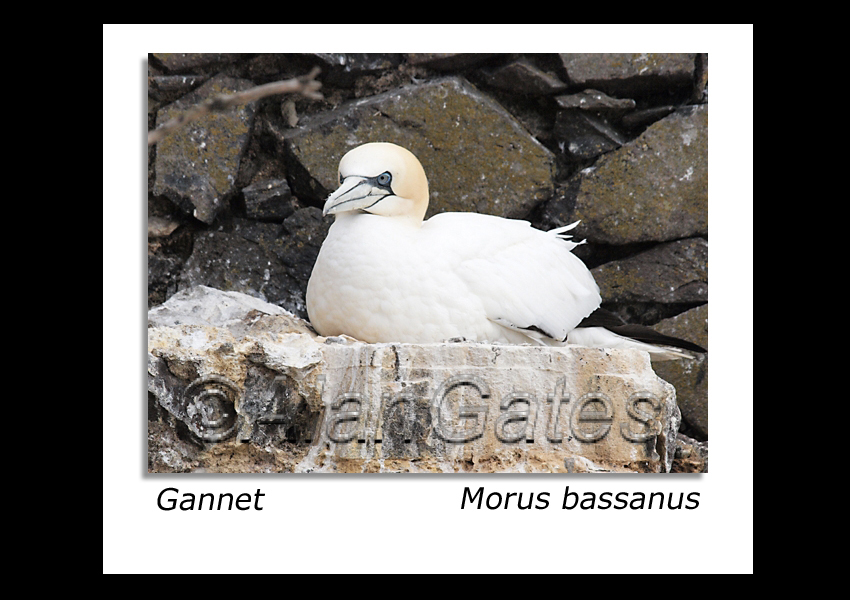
point(384, 274)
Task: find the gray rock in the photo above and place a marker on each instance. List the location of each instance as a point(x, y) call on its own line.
point(204, 306)
point(689, 377)
point(690, 325)
point(625, 74)
point(197, 164)
point(214, 382)
point(448, 61)
point(342, 67)
point(583, 129)
point(597, 103)
point(163, 272)
point(670, 273)
point(161, 226)
point(655, 188)
point(303, 234)
point(641, 119)
point(267, 260)
point(700, 94)
point(476, 155)
point(584, 135)
point(268, 200)
point(181, 62)
point(167, 88)
point(522, 77)
point(691, 455)
point(230, 262)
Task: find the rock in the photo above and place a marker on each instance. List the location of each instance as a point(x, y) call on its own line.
point(186, 62)
point(267, 260)
point(204, 306)
point(689, 377)
point(197, 165)
point(343, 68)
point(304, 231)
point(230, 262)
point(625, 74)
point(584, 127)
point(690, 325)
point(268, 200)
point(161, 226)
point(671, 273)
point(691, 455)
point(523, 77)
point(227, 371)
point(169, 244)
point(478, 407)
point(597, 103)
point(205, 363)
point(505, 172)
point(163, 272)
point(641, 119)
point(655, 188)
point(167, 88)
point(448, 61)
point(585, 135)
point(700, 95)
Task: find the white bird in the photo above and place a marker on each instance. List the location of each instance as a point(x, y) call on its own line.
point(384, 274)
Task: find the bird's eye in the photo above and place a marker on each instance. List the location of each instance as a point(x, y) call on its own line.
point(385, 178)
point(340, 179)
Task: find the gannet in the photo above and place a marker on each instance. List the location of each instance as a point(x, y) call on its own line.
point(384, 274)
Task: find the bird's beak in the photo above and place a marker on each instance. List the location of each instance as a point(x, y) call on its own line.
point(355, 193)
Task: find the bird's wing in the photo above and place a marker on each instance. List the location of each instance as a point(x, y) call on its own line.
point(526, 279)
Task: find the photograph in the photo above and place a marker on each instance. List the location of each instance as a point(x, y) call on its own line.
point(362, 295)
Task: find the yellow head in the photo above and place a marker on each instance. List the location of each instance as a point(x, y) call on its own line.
point(382, 179)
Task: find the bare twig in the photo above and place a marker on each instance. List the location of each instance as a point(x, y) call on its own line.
point(306, 86)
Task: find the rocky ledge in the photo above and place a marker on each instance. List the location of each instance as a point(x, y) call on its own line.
point(240, 385)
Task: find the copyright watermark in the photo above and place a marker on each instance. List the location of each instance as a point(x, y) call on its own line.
point(462, 409)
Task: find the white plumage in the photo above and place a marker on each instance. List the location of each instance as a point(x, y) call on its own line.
point(385, 275)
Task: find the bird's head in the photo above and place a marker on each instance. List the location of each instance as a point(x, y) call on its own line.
point(382, 179)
